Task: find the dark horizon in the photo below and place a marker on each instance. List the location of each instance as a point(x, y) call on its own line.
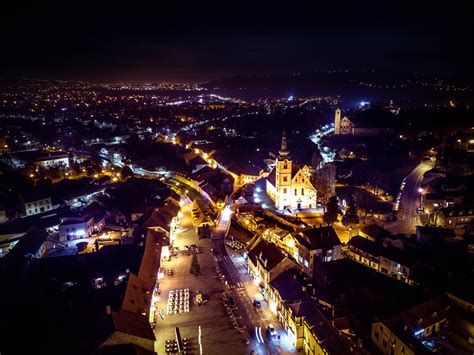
point(200, 43)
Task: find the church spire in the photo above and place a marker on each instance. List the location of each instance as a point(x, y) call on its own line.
point(283, 153)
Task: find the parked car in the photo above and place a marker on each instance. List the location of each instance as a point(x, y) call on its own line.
point(81, 246)
point(271, 330)
point(429, 344)
point(231, 302)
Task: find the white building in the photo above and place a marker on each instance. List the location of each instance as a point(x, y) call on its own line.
point(53, 159)
point(76, 228)
point(289, 185)
point(35, 202)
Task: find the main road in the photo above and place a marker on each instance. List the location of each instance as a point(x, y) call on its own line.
point(409, 201)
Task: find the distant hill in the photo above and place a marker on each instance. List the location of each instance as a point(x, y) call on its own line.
point(351, 86)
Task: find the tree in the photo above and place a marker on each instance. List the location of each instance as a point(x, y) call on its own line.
point(351, 217)
point(195, 267)
point(330, 216)
point(126, 172)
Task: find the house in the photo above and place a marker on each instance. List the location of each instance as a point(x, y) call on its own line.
point(387, 259)
point(141, 292)
point(402, 333)
point(315, 245)
point(299, 315)
point(429, 234)
point(455, 217)
point(373, 232)
point(130, 328)
point(36, 201)
point(288, 184)
point(266, 261)
point(247, 174)
point(321, 337)
point(364, 251)
point(462, 294)
point(98, 213)
point(32, 244)
point(277, 236)
point(76, 228)
point(76, 193)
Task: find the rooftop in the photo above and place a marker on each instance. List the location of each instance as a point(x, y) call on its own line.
point(268, 254)
point(318, 238)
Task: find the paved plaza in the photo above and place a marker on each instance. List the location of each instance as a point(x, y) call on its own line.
point(211, 320)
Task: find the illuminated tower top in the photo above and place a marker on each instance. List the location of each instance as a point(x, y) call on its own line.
point(283, 153)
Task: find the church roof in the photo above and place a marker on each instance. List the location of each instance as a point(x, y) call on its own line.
point(295, 168)
point(272, 177)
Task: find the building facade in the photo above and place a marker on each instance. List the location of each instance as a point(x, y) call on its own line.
point(50, 160)
point(76, 228)
point(289, 186)
point(35, 203)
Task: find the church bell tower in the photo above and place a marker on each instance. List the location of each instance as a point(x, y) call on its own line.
point(283, 176)
point(337, 121)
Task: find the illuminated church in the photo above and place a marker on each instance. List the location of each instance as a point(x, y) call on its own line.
point(289, 185)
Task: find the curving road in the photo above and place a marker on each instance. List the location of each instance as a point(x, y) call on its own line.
point(408, 217)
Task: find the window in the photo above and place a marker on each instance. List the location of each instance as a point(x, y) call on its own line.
point(376, 335)
point(384, 343)
point(302, 191)
point(285, 166)
point(296, 192)
point(285, 178)
point(284, 191)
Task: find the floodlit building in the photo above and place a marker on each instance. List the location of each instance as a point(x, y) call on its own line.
point(316, 245)
point(53, 159)
point(289, 185)
point(76, 228)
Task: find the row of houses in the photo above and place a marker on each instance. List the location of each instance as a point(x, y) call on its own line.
point(446, 201)
point(438, 323)
point(388, 260)
point(278, 277)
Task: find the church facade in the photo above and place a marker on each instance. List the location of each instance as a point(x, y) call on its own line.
point(344, 125)
point(288, 184)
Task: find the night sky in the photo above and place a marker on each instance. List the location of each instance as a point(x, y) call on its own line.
point(197, 42)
